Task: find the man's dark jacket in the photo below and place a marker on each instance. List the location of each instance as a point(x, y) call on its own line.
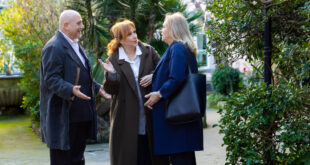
point(59, 65)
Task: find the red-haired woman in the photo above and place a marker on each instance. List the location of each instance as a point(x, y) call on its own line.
point(127, 78)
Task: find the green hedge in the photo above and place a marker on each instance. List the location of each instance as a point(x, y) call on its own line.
point(225, 79)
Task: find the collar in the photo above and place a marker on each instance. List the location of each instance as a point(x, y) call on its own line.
point(69, 39)
point(123, 56)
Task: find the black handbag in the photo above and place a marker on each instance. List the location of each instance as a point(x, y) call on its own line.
point(188, 103)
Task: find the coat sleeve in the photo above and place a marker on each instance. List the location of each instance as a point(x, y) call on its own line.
point(53, 72)
point(177, 66)
point(111, 82)
point(97, 86)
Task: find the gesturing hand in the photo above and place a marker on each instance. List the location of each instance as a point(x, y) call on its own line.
point(104, 94)
point(107, 66)
point(76, 92)
point(146, 80)
point(154, 97)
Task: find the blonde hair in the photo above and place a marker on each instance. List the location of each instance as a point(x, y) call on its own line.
point(120, 31)
point(179, 30)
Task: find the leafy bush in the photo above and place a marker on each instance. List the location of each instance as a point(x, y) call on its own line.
point(213, 100)
point(225, 80)
point(5, 58)
point(25, 26)
point(263, 123)
point(259, 127)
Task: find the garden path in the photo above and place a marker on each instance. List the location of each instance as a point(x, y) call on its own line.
point(19, 146)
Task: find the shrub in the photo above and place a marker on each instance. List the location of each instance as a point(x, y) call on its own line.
point(225, 79)
point(213, 100)
point(25, 26)
point(262, 128)
point(262, 124)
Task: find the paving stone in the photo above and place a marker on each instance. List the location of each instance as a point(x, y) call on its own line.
point(26, 149)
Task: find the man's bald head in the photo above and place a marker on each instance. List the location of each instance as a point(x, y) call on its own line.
point(70, 23)
point(66, 17)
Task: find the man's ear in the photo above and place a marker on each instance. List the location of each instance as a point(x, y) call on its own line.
point(65, 26)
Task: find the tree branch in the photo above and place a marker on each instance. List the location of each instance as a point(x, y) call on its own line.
point(275, 4)
point(298, 23)
point(264, 1)
point(306, 105)
point(256, 69)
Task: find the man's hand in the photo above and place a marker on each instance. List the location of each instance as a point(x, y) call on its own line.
point(104, 94)
point(146, 80)
point(154, 97)
point(76, 92)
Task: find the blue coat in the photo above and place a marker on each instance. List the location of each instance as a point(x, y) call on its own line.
point(169, 139)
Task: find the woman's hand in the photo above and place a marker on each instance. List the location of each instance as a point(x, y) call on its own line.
point(154, 97)
point(104, 94)
point(107, 66)
point(146, 80)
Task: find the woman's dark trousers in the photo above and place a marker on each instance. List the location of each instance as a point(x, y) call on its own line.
point(185, 158)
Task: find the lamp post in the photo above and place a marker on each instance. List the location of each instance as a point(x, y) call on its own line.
point(267, 69)
point(267, 46)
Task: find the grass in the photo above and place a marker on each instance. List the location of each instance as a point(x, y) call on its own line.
point(213, 99)
point(15, 131)
point(3, 117)
point(19, 144)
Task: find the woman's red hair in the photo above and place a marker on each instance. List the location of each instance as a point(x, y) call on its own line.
point(120, 31)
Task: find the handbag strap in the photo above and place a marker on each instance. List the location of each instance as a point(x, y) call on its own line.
point(188, 59)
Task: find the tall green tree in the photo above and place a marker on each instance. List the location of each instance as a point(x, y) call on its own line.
point(5, 58)
point(265, 125)
point(28, 29)
point(95, 34)
point(148, 15)
point(99, 16)
point(144, 13)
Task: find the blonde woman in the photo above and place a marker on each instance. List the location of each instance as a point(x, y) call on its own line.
point(179, 142)
point(128, 78)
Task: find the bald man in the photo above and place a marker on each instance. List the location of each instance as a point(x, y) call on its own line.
point(67, 94)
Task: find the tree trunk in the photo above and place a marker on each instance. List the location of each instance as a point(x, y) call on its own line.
point(152, 21)
point(151, 27)
point(90, 22)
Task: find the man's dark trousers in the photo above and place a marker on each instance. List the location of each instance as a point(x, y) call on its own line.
point(74, 156)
